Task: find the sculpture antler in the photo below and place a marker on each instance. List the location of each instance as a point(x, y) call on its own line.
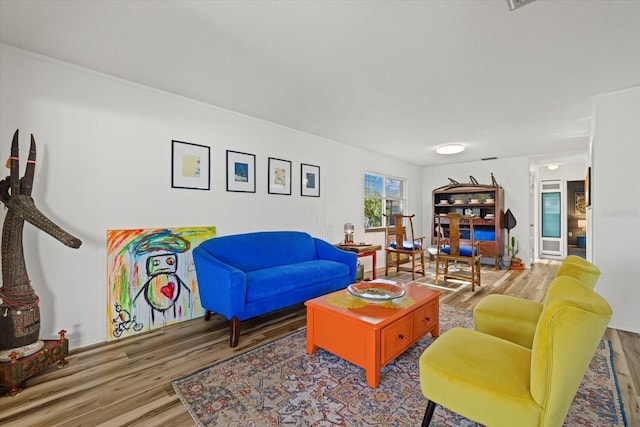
point(19, 311)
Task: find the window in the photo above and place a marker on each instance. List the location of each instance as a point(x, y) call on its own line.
point(382, 191)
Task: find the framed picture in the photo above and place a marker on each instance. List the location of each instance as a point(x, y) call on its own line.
point(587, 188)
point(579, 202)
point(279, 178)
point(190, 166)
point(309, 180)
point(241, 172)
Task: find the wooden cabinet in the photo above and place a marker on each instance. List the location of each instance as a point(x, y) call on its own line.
point(486, 202)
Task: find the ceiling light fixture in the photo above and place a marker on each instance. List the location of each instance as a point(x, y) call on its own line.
point(552, 166)
point(450, 149)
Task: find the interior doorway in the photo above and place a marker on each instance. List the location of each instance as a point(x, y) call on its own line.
point(576, 219)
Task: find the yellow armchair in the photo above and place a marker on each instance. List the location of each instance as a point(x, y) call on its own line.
point(515, 319)
point(496, 382)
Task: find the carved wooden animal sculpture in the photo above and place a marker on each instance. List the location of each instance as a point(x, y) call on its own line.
point(19, 311)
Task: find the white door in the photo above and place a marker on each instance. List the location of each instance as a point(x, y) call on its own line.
point(552, 224)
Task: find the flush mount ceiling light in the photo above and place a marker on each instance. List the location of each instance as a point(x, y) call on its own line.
point(450, 149)
point(552, 166)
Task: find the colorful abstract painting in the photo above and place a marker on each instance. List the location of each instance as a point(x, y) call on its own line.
point(151, 278)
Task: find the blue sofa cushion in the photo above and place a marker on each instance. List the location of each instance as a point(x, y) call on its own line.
point(464, 250)
point(287, 279)
point(261, 250)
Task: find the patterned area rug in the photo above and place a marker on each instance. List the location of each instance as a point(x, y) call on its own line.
point(278, 384)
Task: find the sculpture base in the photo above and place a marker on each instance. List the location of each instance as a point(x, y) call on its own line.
point(14, 372)
point(27, 350)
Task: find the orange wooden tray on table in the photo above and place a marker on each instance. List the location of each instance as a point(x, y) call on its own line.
point(373, 334)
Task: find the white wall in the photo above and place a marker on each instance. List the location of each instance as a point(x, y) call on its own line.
point(512, 174)
point(104, 155)
point(615, 190)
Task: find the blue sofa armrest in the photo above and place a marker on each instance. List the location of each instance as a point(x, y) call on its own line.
point(327, 251)
point(222, 287)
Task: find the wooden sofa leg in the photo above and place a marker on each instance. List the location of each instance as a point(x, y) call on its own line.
point(207, 315)
point(431, 407)
point(234, 332)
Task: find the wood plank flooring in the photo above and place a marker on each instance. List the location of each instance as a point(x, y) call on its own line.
point(128, 382)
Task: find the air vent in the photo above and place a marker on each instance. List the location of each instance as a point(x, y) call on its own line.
point(490, 158)
point(551, 245)
point(553, 186)
point(514, 4)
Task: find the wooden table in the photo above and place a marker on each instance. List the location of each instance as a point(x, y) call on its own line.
point(371, 336)
point(362, 251)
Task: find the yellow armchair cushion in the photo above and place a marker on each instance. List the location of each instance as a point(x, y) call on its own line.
point(511, 318)
point(481, 377)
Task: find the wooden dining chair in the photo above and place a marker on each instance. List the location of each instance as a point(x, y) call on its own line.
point(402, 247)
point(451, 249)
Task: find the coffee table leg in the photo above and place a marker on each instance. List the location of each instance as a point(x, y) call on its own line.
point(372, 363)
point(373, 377)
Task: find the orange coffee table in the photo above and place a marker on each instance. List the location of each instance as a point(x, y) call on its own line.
point(373, 335)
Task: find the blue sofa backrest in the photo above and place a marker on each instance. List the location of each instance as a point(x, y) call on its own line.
point(256, 251)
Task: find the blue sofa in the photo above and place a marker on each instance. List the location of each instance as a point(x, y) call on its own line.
point(245, 275)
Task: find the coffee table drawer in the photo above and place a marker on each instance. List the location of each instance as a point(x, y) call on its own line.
point(396, 338)
point(425, 318)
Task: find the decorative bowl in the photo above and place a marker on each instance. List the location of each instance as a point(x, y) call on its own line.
point(457, 202)
point(379, 290)
point(473, 201)
point(489, 201)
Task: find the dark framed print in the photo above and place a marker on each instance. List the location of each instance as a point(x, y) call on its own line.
point(579, 203)
point(587, 188)
point(309, 180)
point(190, 166)
point(279, 178)
point(241, 172)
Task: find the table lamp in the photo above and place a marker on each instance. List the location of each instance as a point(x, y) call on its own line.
point(582, 224)
point(348, 233)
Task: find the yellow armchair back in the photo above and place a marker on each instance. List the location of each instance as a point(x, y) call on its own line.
point(581, 269)
point(572, 322)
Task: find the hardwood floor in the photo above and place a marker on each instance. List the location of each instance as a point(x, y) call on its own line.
point(128, 382)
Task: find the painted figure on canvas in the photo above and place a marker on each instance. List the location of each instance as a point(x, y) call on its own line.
point(151, 277)
point(163, 286)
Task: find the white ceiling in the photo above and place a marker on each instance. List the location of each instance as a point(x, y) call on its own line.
point(398, 78)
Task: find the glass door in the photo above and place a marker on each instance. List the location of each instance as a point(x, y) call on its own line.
point(551, 223)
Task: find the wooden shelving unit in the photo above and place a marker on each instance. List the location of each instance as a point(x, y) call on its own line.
point(486, 202)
